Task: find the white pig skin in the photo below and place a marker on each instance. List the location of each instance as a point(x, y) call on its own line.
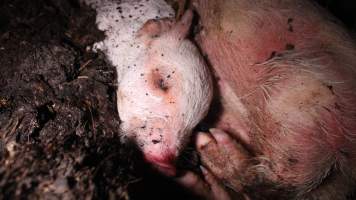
point(164, 87)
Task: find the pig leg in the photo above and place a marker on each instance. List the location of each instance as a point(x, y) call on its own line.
point(208, 187)
point(223, 160)
point(222, 156)
point(229, 163)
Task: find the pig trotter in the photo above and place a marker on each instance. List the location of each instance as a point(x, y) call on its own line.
point(208, 188)
point(227, 162)
point(223, 156)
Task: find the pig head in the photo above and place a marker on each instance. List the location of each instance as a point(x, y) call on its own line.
point(286, 73)
point(162, 100)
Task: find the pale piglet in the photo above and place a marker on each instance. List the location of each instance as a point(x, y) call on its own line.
point(164, 86)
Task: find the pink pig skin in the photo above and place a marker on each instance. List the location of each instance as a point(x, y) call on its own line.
point(286, 74)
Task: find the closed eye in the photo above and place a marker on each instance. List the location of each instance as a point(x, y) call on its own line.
point(161, 84)
point(160, 80)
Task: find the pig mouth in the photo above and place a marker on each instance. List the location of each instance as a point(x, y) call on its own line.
point(166, 169)
point(165, 164)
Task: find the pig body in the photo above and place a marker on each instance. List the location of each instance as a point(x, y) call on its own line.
point(287, 79)
point(164, 88)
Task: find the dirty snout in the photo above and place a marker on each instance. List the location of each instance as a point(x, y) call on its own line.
point(159, 144)
point(155, 123)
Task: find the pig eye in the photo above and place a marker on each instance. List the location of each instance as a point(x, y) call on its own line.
point(160, 80)
point(161, 84)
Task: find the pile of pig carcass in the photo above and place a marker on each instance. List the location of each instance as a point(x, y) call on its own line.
point(286, 81)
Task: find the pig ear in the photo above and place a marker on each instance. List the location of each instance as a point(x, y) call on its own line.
point(154, 28)
point(182, 27)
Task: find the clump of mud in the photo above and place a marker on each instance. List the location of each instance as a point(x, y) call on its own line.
point(59, 134)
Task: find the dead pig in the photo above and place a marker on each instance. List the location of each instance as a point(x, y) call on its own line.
point(164, 87)
point(287, 78)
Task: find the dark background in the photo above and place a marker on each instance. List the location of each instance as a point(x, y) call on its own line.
point(345, 10)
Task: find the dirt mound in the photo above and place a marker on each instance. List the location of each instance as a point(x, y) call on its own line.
point(58, 121)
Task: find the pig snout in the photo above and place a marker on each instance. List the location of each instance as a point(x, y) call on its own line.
point(159, 142)
point(162, 159)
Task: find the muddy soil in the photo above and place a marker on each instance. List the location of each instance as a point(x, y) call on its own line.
point(58, 121)
point(59, 134)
